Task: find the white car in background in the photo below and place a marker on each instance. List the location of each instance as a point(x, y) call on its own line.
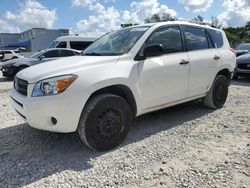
point(125, 74)
point(6, 55)
point(73, 42)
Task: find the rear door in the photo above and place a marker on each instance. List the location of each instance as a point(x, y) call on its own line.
point(203, 59)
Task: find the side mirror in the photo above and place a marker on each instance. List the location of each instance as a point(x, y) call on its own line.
point(41, 57)
point(153, 50)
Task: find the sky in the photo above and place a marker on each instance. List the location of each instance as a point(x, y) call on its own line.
point(96, 17)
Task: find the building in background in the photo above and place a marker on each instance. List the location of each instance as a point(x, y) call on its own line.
point(9, 40)
point(32, 40)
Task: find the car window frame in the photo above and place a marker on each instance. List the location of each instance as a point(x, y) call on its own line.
point(196, 27)
point(164, 54)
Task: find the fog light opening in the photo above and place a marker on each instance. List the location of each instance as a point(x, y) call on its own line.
point(54, 120)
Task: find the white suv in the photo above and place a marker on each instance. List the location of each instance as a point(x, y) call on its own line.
point(9, 54)
point(122, 75)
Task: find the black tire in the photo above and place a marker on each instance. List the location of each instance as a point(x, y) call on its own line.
point(217, 95)
point(15, 57)
point(104, 122)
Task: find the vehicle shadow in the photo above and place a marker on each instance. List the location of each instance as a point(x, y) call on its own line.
point(28, 155)
point(241, 82)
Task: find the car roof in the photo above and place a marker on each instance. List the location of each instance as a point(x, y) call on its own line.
point(188, 23)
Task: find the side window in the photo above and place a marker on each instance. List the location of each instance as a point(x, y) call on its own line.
point(77, 45)
point(50, 54)
point(216, 38)
point(196, 38)
point(7, 52)
point(62, 45)
point(168, 37)
point(66, 53)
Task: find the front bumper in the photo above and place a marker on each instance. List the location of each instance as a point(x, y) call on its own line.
point(8, 71)
point(66, 108)
point(241, 72)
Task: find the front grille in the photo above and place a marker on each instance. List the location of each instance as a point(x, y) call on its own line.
point(245, 66)
point(21, 86)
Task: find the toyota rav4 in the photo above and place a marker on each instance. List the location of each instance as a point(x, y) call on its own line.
point(125, 74)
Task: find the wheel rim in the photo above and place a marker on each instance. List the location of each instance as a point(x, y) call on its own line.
point(109, 123)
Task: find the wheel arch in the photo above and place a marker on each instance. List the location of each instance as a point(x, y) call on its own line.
point(121, 90)
point(225, 72)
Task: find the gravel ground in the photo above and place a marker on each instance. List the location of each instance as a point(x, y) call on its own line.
point(183, 146)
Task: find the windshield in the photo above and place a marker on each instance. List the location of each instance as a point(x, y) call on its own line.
point(243, 47)
point(53, 44)
point(37, 54)
point(116, 42)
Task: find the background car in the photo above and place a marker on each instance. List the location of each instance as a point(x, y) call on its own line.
point(242, 66)
point(73, 42)
point(11, 67)
point(9, 54)
point(242, 49)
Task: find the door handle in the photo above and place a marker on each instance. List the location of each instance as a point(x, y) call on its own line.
point(184, 62)
point(216, 57)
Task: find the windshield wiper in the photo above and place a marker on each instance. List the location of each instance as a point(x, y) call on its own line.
point(94, 54)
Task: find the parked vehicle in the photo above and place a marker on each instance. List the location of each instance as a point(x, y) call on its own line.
point(9, 54)
point(242, 66)
point(73, 42)
point(125, 74)
point(12, 67)
point(242, 49)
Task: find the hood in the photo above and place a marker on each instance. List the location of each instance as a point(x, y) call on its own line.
point(68, 65)
point(245, 58)
point(18, 61)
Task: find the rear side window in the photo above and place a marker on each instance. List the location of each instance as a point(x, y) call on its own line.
point(78, 45)
point(196, 38)
point(7, 52)
point(168, 37)
point(50, 54)
point(66, 53)
point(62, 45)
point(216, 38)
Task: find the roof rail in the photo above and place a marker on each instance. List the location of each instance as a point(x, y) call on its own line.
point(196, 22)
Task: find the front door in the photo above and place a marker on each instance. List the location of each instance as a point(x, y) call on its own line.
point(164, 79)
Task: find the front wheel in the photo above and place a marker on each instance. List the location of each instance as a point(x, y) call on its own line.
point(217, 95)
point(104, 122)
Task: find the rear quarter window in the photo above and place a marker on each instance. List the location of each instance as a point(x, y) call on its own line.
point(216, 38)
point(196, 38)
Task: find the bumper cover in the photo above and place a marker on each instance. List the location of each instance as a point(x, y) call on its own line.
point(38, 111)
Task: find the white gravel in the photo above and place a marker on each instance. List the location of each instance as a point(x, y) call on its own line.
point(183, 146)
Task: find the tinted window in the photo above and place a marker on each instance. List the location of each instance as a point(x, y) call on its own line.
point(216, 38)
point(169, 38)
point(65, 53)
point(62, 45)
point(52, 53)
point(79, 45)
point(196, 38)
point(7, 52)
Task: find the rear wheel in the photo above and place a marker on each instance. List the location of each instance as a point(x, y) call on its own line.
point(217, 95)
point(104, 122)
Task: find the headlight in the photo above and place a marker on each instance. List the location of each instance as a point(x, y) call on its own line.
point(53, 86)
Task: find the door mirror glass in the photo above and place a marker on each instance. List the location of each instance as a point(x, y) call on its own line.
point(153, 50)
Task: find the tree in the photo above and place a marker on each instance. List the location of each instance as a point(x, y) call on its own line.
point(199, 18)
point(216, 22)
point(158, 18)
